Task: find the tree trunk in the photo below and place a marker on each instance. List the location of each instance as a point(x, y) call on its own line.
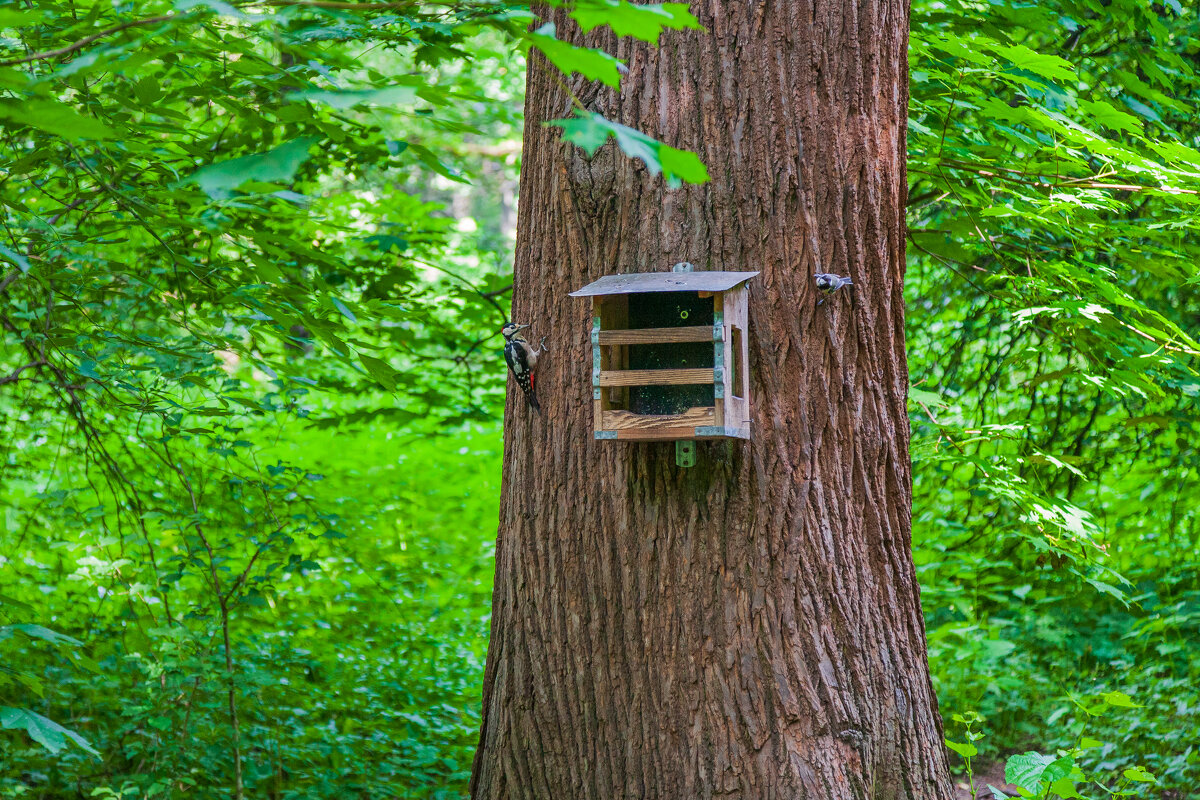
point(749, 627)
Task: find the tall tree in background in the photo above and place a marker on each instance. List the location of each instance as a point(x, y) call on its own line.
point(749, 627)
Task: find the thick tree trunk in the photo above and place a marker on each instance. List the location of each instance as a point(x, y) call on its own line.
point(749, 627)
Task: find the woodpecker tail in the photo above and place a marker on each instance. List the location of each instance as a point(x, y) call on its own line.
point(531, 398)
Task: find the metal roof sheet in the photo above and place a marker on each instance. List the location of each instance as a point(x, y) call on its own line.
point(635, 282)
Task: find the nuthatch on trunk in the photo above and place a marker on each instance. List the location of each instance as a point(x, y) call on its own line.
point(828, 283)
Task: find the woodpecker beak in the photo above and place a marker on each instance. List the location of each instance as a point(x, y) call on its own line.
point(522, 327)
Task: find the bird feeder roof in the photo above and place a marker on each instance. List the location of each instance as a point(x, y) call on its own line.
point(638, 282)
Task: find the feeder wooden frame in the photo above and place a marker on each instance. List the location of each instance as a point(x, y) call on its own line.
point(729, 415)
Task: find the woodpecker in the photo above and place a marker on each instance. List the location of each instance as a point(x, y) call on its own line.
point(522, 359)
point(828, 283)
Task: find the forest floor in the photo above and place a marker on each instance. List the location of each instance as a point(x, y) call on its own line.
point(986, 774)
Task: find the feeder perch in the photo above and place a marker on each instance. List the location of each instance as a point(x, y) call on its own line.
point(669, 355)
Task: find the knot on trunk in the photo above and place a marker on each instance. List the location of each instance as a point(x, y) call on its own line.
point(592, 181)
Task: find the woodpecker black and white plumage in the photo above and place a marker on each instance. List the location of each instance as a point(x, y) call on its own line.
point(828, 283)
point(522, 358)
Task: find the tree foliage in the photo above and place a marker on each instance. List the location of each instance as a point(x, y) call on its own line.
point(1054, 178)
point(252, 257)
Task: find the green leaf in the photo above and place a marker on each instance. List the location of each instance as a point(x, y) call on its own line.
point(1029, 770)
point(678, 165)
point(1119, 699)
point(1139, 774)
point(380, 370)
point(81, 660)
point(1065, 788)
point(590, 131)
point(430, 160)
point(595, 65)
point(1141, 108)
point(965, 750)
point(46, 732)
point(19, 605)
point(585, 130)
point(16, 18)
point(1110, 117)
point(1045, 65)
point(346, 312)
point(645, 22)
point(928, 398)
point(38, 632)
point(55, 118)
point(387, 96)
point(276, 165)
point(15, 257)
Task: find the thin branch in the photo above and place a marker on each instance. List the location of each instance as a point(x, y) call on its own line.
point(1057, 182)
point(462, 357)
point(497, 292)
point(949, 264)
point(338, 5)
point(941, 435)
point(138, 23)
point(918, 199)
point(16, 375)
point(241, 579)
point(85, 41)
point(67, 208)
point(488, 296)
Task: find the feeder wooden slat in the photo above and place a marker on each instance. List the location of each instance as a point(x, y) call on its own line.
point(674, 434)
point(616, 420)
point(656, 377)
point(692, 333)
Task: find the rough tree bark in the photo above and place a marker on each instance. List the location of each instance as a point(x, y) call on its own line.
point(749, 627)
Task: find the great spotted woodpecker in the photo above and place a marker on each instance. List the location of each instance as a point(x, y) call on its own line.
point(522, 359)
point(828, 283)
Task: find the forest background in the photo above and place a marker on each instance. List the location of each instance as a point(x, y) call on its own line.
point(253, 262)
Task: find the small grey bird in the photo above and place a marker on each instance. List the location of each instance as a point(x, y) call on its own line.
point(828, 283)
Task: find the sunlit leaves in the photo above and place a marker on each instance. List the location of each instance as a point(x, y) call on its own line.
point(342, 99)
point(380, 370)
point(1119, 699)
point(15, 17)
point(52, 117)
point(1052, 188)
point(1139, 775)
point(279, 164)
point(645, 22)
point(590, 131)
point(964, 749)
point(1030, 770)
point(44, 731)
point(1110, 116)
point(14, 257)
point(590, 63)
point(1042, 64)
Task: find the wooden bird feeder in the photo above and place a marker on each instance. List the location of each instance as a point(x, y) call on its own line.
point(669, 355)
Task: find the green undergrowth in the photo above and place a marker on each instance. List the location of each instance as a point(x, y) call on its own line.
point(358, 675)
